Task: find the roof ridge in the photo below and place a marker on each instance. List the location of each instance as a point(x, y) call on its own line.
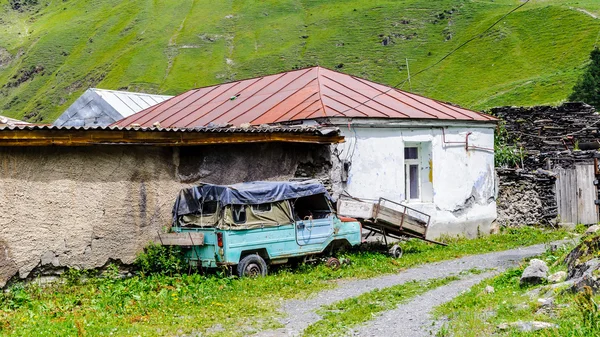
point(319, 90)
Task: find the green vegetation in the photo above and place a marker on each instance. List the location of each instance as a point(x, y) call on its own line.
point(172, 305)
point(506, 153)
point(160, 260)
point(587, 88)
point(477, 314)
point(51, 51)
point(340, 316)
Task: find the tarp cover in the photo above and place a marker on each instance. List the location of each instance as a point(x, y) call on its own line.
point(190, 199)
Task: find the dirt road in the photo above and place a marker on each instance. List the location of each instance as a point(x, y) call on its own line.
point(414, 316)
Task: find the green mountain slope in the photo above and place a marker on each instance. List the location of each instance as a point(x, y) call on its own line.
point(50, 52)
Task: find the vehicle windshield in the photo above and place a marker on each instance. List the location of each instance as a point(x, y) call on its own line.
point(314, 206)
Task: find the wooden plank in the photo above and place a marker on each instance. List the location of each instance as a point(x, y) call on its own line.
point(586, 194)
point(394, 217)
point(180, 239)
point(355, 208)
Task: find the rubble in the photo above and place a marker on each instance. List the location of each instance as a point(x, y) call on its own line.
point(527, 326)
point(557, 277)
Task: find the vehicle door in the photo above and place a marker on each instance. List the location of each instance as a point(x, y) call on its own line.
point(314, 220)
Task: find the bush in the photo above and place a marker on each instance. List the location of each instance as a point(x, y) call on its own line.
point(160, 260)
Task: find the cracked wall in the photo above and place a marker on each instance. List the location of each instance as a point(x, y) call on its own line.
point(85, 206)
point(462, 200)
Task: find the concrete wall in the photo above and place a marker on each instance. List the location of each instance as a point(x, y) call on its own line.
point(82, 207)
point(462, 182)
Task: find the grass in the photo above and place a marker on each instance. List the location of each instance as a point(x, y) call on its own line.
point(532, 57)
point(478, 314)
point(343, 315)
point(162, 305)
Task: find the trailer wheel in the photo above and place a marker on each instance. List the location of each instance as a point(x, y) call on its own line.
point(396, 251)
point(252, 266)
point(333, 263)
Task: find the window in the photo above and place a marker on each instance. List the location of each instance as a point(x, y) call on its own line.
point(412, 172)
point(239, 213)
point(208, 207)
point(261, 208)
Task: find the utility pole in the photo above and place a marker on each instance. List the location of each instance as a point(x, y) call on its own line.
point(408, 69)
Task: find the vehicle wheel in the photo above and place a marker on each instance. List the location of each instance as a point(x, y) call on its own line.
point(252, 266)
point(396, 251)
point(333, 263)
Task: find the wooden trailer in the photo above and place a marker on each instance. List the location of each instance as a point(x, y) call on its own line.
point(388, 218)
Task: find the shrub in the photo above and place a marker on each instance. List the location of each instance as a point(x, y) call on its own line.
point(21, 5)
point(160, 260)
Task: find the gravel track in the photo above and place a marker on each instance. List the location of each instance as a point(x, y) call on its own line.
point(302, 313)
point(403, 322)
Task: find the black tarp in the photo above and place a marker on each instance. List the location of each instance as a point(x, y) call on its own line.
point(190, 199)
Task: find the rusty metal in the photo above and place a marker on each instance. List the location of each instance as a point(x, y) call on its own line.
point(308, 93)
point(43, 135)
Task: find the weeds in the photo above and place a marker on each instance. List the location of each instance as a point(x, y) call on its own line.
point(160, 260)
point(152, 304)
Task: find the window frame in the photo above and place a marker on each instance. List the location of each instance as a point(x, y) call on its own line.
point(233, 214)
point(407, 175)
point(256, 210)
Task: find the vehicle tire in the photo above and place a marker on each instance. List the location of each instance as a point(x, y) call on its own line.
point(252, 266)
point(333, 263)
point(396, 251)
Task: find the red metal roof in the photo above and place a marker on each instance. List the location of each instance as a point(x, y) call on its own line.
point(300, 94)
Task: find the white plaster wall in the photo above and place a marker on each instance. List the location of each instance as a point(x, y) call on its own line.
point(463, 181)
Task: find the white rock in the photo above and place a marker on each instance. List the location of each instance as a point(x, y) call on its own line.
point(527, 326)
point(488, 290)
point(592, 229)
point(557, 277)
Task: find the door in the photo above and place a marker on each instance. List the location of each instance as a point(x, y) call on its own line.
point(575, 195)
point(314, 231)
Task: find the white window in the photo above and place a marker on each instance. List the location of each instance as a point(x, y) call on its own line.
point(412, 171)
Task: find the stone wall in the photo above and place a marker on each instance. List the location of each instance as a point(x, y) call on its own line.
point(526, 198)
point(86, 206)
point(540, 129)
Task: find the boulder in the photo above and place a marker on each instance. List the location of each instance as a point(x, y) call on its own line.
point(592, 229)
point(535, 273)
point(557, 277)
point(527, 326)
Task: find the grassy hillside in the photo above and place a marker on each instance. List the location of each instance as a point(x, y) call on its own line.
point(50, 52)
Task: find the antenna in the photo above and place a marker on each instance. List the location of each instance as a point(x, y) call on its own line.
point(408, 69)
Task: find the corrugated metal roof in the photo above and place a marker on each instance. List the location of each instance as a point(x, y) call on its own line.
point(46, 135)
point(295, 95)
point(201, 129)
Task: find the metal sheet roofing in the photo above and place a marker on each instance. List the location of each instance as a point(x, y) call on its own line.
point(128, 103)
point(100, 107)
point(295, 95)
point(45, 135)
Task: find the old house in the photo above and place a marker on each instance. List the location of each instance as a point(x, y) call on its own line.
point(100, 107)
point(433, 156)
point(82, 197)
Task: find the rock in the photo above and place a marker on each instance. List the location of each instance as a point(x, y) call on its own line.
point(557, 277)
point(546, 302)
point(527, 326)
point(592, 229)
point(585, 274)
point(535, 273)
point(488, 290)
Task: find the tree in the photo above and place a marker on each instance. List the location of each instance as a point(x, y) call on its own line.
point(587, 88)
